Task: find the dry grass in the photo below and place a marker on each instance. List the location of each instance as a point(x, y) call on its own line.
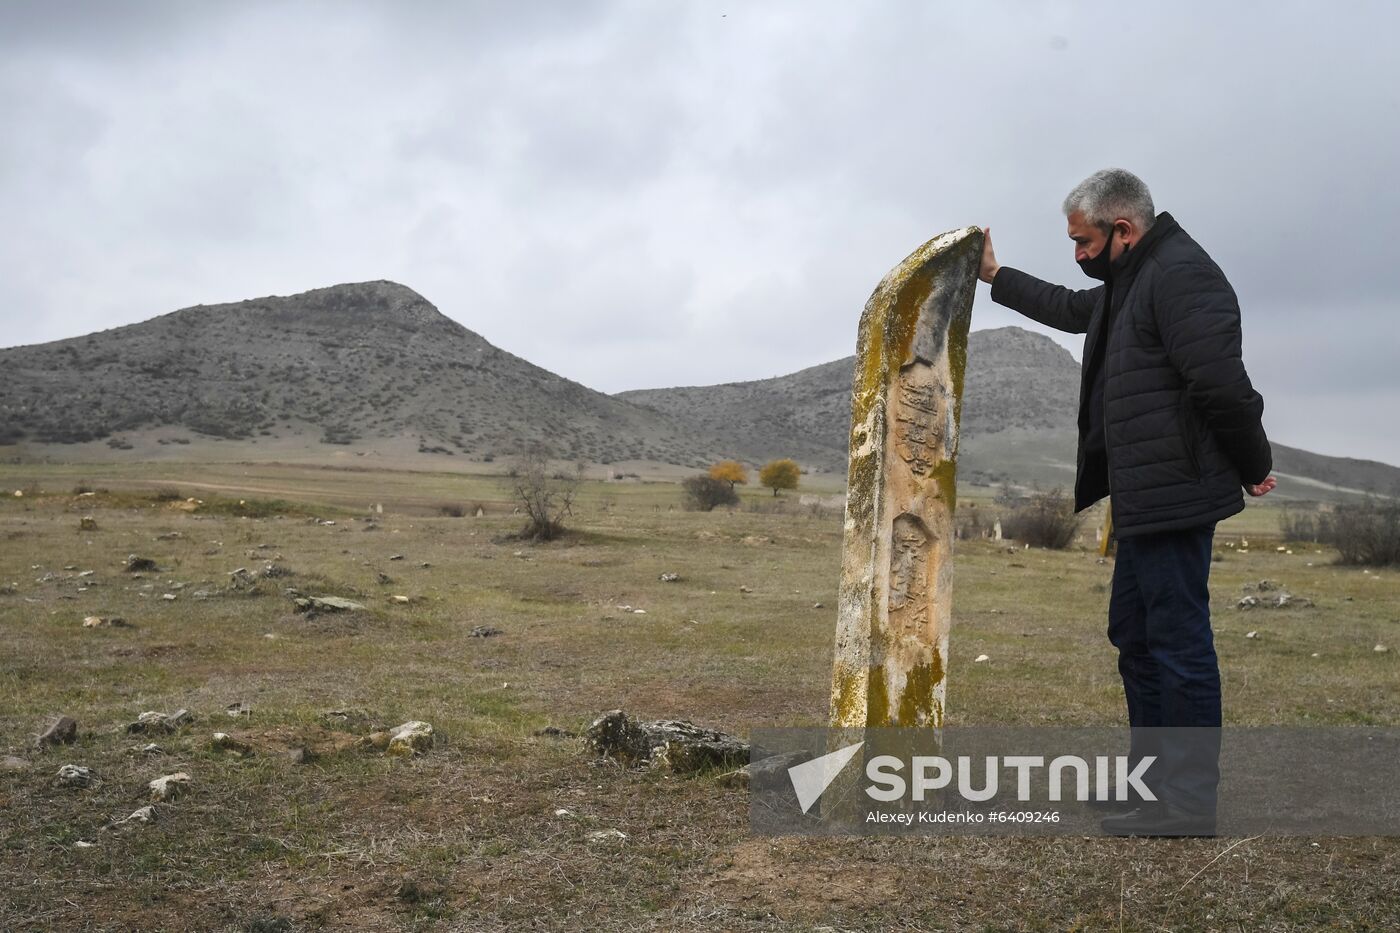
point(467, 837)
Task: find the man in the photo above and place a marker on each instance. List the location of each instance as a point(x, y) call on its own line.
point(1170, 431)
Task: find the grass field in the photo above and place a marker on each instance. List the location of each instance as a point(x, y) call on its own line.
point(312, 832)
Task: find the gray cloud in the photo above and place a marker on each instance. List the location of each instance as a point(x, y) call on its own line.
point(637, 194)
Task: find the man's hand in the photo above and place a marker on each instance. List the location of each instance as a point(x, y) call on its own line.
point(988, 270)
point(1261, 489)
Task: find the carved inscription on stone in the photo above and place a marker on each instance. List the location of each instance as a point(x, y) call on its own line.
point(921, 414)
point(909, 575)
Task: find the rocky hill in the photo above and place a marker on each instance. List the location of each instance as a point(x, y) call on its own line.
point(368, 367)
point(345, 365)
point(1016, 381)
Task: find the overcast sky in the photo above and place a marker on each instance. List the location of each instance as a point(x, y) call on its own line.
point(660, 193)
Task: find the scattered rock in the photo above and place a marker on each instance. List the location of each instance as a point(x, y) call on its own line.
point(607, 835)
point(75, 776)
point(87, 523)
point(1251, 634)
point(554, 732)
point(379, 741)
point(169, 787)
point(104, 622)
point(1381, 649)
point(238, 709)
point(152, 750)
point(169, 596)
point(135, 564)
point(169, 536)
point(13, 763)
point(385, 579)
point(745, 589)
point(409, 739)
point(152, 723)
point(670, 578)
point(402, 600)
point(980, 658)
point(396, 557)
point(1267, 585)
point(224, 742)
point(63, 731)
point(677, 746)
point(325, 604)
point(818, 606)
point(1247, 602)
point(141, 817)
point(483, 631)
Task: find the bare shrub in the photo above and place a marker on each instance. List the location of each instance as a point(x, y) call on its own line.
point(546, 497)
point(1046, 520)
point(452, 510)
point(167, 494)
point(1367, 534)
point(703, 493)
point(1300, 524)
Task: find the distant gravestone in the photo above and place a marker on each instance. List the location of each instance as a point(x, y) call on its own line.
point(895, 595)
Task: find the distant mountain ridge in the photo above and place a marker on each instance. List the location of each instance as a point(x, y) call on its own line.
point(351, 363)
point(366, 366)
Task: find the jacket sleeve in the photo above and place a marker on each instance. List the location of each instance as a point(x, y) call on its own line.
point(1198, 318)
point(1052, 305)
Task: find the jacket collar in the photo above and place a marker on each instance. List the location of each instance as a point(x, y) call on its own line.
point(1127, 264)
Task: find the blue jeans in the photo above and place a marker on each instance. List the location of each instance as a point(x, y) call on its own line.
point(1159, 620)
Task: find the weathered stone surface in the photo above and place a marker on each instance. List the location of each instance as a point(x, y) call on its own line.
point(895, 597)
point(63, 731)
point(223, 742)
point(678, 746)
point(409, 739)
point(169, 786)
point(155, 722)
point(75, 776)
point(326, 604)
point(141, 817)
point(138, 564)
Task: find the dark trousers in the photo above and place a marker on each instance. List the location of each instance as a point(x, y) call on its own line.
point(1159, 620)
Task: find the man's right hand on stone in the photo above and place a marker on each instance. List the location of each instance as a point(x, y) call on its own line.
point(988, 270)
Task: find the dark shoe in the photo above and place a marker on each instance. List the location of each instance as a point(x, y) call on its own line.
point(1111, 806)
point(1163, 819)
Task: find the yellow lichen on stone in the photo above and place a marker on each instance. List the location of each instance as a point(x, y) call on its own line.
point(906, 408)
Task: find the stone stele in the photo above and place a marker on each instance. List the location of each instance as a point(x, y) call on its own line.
point(895, 597)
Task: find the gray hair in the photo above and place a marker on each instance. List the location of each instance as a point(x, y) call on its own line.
point(1111, 193)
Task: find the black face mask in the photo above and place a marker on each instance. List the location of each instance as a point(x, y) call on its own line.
point(1097, 267)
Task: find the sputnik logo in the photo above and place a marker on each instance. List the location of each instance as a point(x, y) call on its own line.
point(811, 778)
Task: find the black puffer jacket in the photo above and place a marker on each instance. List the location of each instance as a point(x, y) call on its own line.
point(1181, 421)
